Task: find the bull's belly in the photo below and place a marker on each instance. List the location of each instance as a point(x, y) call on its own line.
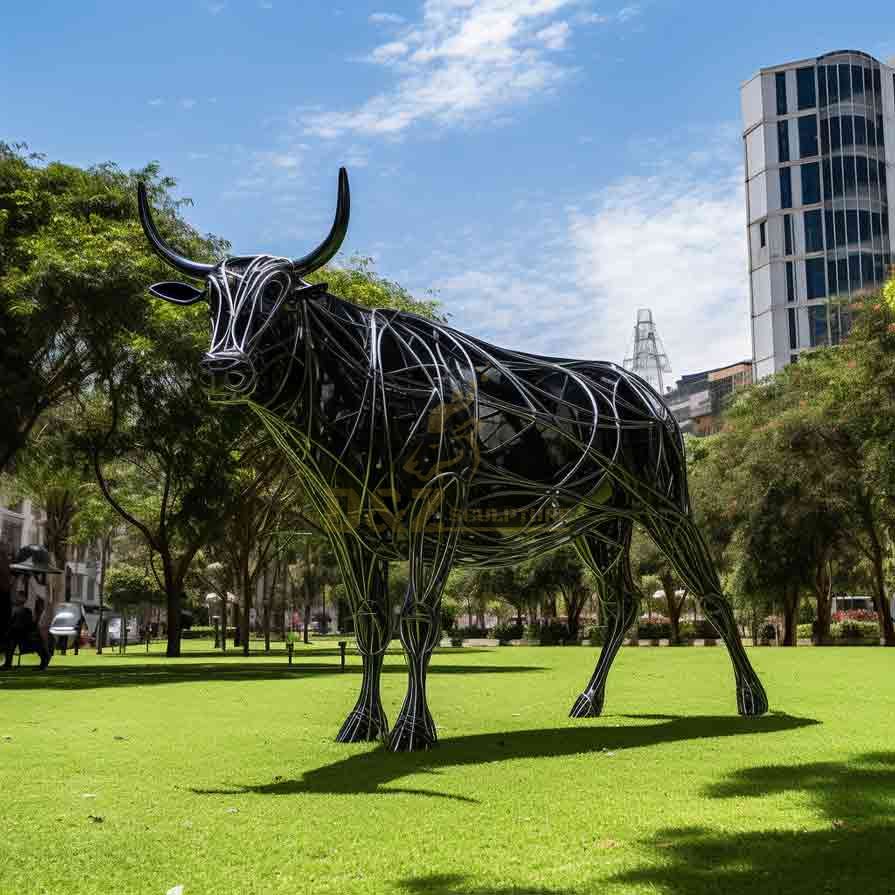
point(501, 531)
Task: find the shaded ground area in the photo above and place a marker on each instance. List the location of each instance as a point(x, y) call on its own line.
point(852, 851)
point(130, 673)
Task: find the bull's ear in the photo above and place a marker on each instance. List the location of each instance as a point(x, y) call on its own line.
point(177, 293)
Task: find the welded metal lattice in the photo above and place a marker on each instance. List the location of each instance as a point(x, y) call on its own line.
point(417, 442)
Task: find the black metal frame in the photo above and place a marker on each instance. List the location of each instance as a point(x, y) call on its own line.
point(415, 441)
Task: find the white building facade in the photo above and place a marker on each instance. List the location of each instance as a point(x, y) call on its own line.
point(819, 140)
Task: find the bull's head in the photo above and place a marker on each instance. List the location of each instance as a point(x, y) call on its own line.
point(252, 348)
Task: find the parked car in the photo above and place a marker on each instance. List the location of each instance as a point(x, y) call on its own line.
point(68, 624)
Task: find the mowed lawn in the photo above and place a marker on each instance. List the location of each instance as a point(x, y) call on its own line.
point(137, 774)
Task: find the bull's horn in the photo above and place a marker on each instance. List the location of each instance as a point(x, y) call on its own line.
point(316, 259)
point(178, 262)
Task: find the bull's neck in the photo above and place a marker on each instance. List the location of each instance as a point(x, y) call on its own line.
point(334, 367)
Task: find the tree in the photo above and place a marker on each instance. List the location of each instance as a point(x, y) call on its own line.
point(564, 571)
point(48, 474)
point(313, 570)
point(73, 273)
point(130, 588)
point(263, 497)
point(648, 560)
point(162, 454)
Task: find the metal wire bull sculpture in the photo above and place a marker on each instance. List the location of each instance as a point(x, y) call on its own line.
point(418, 442)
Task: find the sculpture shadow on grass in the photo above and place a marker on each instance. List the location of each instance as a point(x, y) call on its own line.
point(851, 852)
point(457, 884)
point(372, 771)
point(91, 677)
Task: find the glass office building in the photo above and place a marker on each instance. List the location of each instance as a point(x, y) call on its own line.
point(819, 138)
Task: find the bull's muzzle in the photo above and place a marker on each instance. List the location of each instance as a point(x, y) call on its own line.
point(229, 372)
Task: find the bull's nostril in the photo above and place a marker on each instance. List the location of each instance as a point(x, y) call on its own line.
point(235, 380)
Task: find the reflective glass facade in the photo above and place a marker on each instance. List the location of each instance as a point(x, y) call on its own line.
point(819, 138)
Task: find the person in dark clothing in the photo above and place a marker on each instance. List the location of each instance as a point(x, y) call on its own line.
point(23, 633)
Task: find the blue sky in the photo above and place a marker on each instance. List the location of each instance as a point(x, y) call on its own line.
point(547, 166)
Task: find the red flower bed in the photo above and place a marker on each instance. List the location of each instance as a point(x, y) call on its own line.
point(855, 615)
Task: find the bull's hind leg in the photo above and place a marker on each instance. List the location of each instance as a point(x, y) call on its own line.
point(373, 628)
point(607, 556)
point(677, 536)
point(433, 539)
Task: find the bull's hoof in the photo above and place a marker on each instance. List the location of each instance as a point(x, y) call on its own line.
point(752, 701)
point(363, 726)
point(412, 736)
point(588, 705)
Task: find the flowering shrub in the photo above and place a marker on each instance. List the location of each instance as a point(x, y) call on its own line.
point(855, 615)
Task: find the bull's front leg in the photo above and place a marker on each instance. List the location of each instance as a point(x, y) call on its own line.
point(420, 632)
point(433, 533)
point(373, 628)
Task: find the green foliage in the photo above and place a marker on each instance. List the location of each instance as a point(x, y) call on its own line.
point(359, 283)
point(74, 266)
point(127, 586)
point(506, 632)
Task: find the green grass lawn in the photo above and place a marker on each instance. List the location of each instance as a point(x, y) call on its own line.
point(136, 773)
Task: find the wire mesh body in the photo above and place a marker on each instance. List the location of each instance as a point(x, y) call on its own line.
point(415, 441)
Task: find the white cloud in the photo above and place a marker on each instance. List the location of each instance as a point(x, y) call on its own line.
point(388, 52)
point(570, 282)
point(676, 246)
point(156, 102)
point(214, 8)
point(187, 103)
point(386, 18)
point(462, 60)
point(283, 160)
point(554, 36)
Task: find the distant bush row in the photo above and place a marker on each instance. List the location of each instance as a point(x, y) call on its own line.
point(845, 630)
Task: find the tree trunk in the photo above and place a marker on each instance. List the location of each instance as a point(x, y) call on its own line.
point(675, 607)
point(247, 587)
point(883, 609)
point(172, 650)
point(790, 614)
point(823, 581)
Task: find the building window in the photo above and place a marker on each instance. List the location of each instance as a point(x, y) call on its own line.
point(822, 85)
point(857, 81)
point(781, 92)
point(793, 332)
point(844, 83)
point(851, 227)
point(810, 183)
point(814, 234)
point(785, 188)
point(790, 282)
point(815, 278)
point(762, 234)
point(831, 276)
point(807, 136)
point(817, 325)
point(782, 141)
point(805, 88)
point(787, 234)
